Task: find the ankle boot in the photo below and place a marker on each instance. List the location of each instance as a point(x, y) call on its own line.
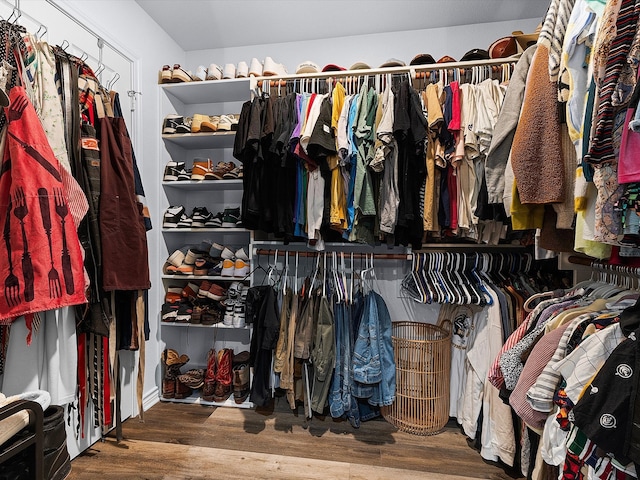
point(224, 377)
point(240, 383)
point(57, 463)
point(172, 362)
point(209, 377)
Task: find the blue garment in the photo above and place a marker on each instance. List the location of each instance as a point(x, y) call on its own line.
point(351, 162)
point(374, 370)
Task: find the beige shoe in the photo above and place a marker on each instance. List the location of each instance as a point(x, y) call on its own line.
point(196, 122)
point(211, 124)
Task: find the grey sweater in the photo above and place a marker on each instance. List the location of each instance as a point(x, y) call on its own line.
point(505, 128)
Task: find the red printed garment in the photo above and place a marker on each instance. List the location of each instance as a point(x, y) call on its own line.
point(41, 265)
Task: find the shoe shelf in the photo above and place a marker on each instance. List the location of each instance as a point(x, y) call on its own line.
point(205, 230)
point(230, 402)
point(202, 140)
point(199, 325)
point(205, 277)
point(205, 185)
point(231, 90)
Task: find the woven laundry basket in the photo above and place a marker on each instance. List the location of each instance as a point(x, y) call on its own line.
point(423, 361)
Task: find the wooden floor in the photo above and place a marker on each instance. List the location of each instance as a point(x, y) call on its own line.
point(179, 441)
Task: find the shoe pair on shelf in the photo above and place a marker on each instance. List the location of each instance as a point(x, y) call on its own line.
point(214, 72)
point(200, 123)
point(172, 387)
point(175, 74)
point(216, 261)
point(226, 374)
point(203, 169)
point(234, 314)
point(176, 217)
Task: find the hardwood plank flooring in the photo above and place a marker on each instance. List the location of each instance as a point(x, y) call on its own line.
point(178, 441)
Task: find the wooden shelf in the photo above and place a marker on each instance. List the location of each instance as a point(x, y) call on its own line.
point(209, 91)
point(199, 325)
point(230, 402)
point(197, 141)
point(204, 185)
point(204, 277)
point(204, 230)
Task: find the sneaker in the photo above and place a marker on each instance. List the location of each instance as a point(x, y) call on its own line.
point(184, 269)
point(196, 122)
point(201, 73)
point(231, 217)
point(255, 70)
point(243, 70)
point(172, 170)
point(221, 169)
point(216, 271)
point(201, 167)
point(165, 74)
point(169, 312)
point(184, 222)
point(199, 217)
point(228, 268)
point(227, 254)
point(184, 174)
point(170, 124)
point(241, 268)
point(202, 266)
point(190, 291)
point(177, 258)
point(215, 221)
point(216, 292)
point(272, 68)
point(173, 297)
point(238, 315)
point(211, 124)
point(184, 313)
point(172, 216)
point(228, 312)
point(203, 291)
point(216, 249)
point(214, 72)
point(229, 71)
point(184, 126)
point(233, 292)
point(192, 255)
point(233, 174)
point(225, 123)
point(180, 74)
point(242, 254)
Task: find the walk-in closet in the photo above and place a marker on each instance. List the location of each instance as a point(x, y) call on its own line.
point(301, 239)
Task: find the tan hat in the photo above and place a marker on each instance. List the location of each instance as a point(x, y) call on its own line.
point(525, 40)
point(393, 62)
point(307, 67)
point(503, 47)
point(359, 66)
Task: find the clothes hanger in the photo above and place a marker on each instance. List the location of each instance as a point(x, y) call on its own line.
point(315, 275)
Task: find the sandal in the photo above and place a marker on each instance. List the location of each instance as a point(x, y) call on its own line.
point(180, 74)
point(233, 174)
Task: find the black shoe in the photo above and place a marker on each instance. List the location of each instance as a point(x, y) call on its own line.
point(172, 171)
point(184, 126)
point(172, 216)
point(170, 124)
point(200, 217)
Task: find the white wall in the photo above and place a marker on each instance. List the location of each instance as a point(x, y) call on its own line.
point(371, 49)
point(124, 24)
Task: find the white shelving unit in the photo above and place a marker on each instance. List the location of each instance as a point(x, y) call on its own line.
point(208, 98)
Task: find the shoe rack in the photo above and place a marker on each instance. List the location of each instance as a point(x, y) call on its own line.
point(213, 97)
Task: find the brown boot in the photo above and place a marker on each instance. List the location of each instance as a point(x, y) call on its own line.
point(224, 377)
point(172, 362)
point(210, 377)
point(240, 382)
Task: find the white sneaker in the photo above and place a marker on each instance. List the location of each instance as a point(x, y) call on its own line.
point(242, 255)
point(201, 73)
point(228, 313)
point(228, 268)
point(272, 68)
point(241, 268)
point(229, 71)
point(243, 70)
point(225, 123)
point(238, 316)
point(214, 72)
point(256, 68)
point(227, 254)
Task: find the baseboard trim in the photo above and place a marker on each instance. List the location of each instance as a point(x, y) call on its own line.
point(150, 398)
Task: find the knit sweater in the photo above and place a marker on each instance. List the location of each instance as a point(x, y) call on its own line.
point(536, 153)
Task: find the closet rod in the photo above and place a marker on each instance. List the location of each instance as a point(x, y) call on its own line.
point(392, 70)
point(578, 260)
point(381, 256)
point(87, 29)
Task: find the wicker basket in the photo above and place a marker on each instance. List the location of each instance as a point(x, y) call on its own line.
point(423, 360)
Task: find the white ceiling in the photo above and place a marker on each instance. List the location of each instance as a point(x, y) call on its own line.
point(208, 24)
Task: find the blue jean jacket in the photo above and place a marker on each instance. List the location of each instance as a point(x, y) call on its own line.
point(374, 370)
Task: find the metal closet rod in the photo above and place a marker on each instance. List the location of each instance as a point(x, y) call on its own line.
point(383, 256)
point(392, 70)
point(602, 266)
